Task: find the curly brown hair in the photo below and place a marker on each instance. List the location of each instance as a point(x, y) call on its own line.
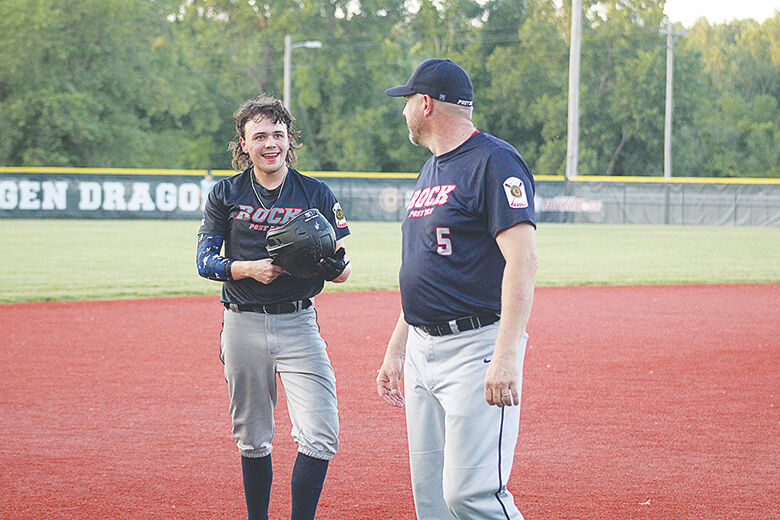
point(262, 107)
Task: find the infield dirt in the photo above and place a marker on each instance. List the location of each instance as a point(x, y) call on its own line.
point(651, 402)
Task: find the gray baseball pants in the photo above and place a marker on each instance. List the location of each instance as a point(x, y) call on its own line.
point(255, 348)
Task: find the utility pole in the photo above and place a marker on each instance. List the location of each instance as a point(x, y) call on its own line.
point(287, 69)
point(288, 48)
point(670, 35)
point(573, 136)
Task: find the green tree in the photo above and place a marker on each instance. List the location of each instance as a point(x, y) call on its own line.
point(231, 51)
point(338, 90)
point(154, 83)
point(622, 89)
point(86, 82)
point(525, 101)
point(731, 128)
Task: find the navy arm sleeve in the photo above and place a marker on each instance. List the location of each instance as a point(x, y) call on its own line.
point(210, 264)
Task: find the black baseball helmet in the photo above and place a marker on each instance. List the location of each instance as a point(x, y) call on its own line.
point(301, 243)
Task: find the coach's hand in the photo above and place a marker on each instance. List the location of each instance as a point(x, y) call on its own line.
point(388, 381)
point(331, 267)
point(501, 381)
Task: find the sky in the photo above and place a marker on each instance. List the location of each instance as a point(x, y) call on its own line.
point(719, 11)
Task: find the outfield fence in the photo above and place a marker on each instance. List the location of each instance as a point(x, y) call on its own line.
point(105, 193)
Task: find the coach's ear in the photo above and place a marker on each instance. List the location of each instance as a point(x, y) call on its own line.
point(426, 104)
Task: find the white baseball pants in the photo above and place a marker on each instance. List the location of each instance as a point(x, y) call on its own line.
point(460, 448)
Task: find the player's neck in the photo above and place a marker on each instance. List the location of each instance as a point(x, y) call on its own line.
point(445, 138)
point(270, 180)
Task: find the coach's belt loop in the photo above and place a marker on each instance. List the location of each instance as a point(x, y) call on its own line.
point(453, 326)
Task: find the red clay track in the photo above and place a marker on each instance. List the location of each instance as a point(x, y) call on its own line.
point(638, 403)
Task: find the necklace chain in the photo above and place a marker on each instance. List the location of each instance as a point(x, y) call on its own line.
point(281, 186)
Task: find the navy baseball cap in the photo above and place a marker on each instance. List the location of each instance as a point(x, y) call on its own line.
point(441, 79)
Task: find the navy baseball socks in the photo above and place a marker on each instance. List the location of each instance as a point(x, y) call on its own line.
point(307, 478)
point(257, 475)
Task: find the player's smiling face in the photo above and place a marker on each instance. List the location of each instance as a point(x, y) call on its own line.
point(267, 144)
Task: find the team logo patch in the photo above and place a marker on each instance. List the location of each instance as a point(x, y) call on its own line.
point(341, 220)
point(515, 193)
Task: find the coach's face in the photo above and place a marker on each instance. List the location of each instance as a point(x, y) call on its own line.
point(414, 118)
point(267, 144)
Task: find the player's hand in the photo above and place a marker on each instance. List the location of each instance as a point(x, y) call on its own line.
point(388, 381)
point(501, 382)
point(264, 271)
point(331, 267)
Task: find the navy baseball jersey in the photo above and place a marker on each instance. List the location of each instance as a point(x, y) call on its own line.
point(451, 265)
point(233, 212)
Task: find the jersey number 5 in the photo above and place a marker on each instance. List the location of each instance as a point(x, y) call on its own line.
point(444, 247)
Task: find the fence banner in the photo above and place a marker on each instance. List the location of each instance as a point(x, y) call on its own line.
point(176, 194)
point(44, 195)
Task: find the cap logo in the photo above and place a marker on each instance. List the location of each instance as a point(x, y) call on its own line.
point(442, 97)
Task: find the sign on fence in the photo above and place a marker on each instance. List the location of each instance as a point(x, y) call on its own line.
point(176, 194)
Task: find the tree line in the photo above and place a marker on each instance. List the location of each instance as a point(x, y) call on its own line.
point(154, 83)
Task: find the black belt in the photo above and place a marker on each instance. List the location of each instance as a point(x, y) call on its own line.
point(460, 325)
point(271, 308)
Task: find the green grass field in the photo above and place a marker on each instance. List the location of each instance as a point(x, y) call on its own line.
point(95, 259)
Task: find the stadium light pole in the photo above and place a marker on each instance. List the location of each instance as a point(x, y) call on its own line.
point(573, 137)
point(288, 48)
point(670, 34)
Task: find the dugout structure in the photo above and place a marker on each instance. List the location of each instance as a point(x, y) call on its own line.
point(100, 193)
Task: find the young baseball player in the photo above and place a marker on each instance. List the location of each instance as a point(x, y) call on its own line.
point(467, 283)
point(270, 325)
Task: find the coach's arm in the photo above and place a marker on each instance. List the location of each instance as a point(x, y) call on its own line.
point(388, 381)
point(518, 245)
